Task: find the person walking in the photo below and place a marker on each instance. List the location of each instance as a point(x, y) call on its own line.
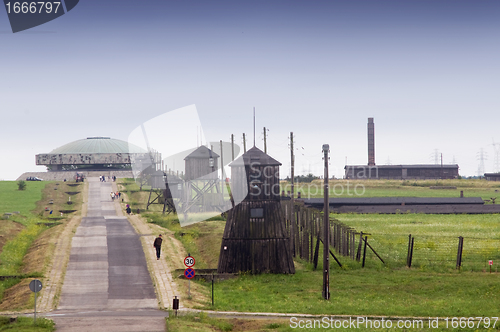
point(157, 245)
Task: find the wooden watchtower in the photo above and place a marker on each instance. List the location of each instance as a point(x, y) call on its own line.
point(201, 180)
point(255, 237)
point(165, 189)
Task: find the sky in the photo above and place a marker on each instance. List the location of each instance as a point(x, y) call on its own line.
point(426, 71)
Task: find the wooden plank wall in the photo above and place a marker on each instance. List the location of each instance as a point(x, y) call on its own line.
point(308, 223)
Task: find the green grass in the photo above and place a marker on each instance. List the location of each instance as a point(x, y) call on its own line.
point(436, 238)
point(195, 237)
point(200, 322)
point(12, 254)
point(397, 188)
point(197, 322)
point(363, 292)
point(25, 324)
point(23, 201)
point(433, 287)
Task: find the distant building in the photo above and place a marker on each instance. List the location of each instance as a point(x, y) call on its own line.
point(417, 172)
point(373, 171)
point(92, 153)
point(492, 176)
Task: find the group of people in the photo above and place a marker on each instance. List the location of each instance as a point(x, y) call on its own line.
point(102, 178)
point(116, 195)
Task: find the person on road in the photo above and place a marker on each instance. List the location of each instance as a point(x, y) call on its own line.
point(157, 245)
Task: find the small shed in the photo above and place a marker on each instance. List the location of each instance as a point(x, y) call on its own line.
point(201, 163)
point(255, 237)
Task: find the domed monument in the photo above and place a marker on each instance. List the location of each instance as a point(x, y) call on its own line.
point(93, 156)
point(96, 153)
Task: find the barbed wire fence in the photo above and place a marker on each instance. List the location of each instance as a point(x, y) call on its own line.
point(417, 251)
point(436, 252)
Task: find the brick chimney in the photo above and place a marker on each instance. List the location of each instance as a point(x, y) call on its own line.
point(371, 142)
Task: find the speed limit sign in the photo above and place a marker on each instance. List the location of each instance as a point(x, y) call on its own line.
point(189, 261)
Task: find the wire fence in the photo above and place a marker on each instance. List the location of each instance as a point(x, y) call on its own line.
point(422, 251)
point(437, 252)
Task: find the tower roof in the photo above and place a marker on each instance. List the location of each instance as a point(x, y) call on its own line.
point(202, 153)
point(255, 156)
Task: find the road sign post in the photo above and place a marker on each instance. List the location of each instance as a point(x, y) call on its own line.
point(490, 263)
point(189, 261)
point(35, 286)
point(189, 273)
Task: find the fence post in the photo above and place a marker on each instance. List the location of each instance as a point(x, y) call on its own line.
point(459, 252)
point(364, 252)
point(316, 252)
point(408, 254)
point(353, 244)
point(411, 251)
point(358, 254)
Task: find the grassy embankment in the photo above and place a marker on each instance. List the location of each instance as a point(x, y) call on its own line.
point(25, 249)
point(427, 290)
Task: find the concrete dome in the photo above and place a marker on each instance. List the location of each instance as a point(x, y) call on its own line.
point(97, 145)
point(93, 152)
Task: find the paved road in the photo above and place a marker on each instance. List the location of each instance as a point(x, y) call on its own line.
point(107, 285)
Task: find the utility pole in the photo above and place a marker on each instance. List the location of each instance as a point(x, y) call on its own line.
point(221, 165)
point(326, 230)
point(292, 208)
point(265, 142)
point(232, 147)
point(244, 144)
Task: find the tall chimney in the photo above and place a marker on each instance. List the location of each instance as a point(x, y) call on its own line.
point(371, 142)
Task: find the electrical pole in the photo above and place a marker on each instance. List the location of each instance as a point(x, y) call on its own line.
point(232, 147)
point(265, 143)
point(292, 208)
point(244, 144)
point(326, 230)
point(221, 165)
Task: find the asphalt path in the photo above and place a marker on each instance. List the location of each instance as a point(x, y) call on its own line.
point(107, 286)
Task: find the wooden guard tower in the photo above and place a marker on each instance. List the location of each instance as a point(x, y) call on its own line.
point(255, 237)
point(201, 181)
point(165, 188)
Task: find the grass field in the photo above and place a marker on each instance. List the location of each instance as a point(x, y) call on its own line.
point(390, 290)
point(24, 229)
point(397, 188)
point(436, 238)
point(24, 201)
point(373, 292)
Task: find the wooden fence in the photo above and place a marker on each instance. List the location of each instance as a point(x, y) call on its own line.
point(306, 231)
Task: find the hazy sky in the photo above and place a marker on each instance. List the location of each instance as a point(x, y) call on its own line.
point(427, 71)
